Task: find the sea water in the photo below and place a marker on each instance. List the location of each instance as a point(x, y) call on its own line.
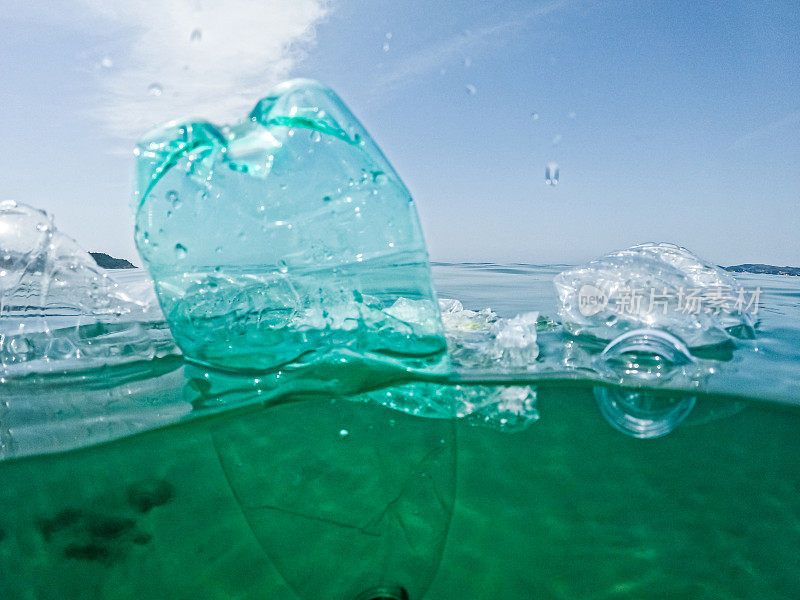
point(314, 496)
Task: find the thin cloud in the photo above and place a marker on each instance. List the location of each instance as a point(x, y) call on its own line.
point(433, 57)
point(207, 59)
point(776, 127)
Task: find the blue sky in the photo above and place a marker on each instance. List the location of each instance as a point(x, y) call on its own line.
point(670, 121)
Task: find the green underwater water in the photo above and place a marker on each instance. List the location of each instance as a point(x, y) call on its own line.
point(280, 502)
point(319, 497)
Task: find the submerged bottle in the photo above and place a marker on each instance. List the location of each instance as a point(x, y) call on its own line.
point(285, 239)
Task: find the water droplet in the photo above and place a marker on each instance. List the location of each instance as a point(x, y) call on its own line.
point(551, 174)
point(154, 89)
point(174, 199)
point(106, 63)
point(197, 35)
point(471, 89)
point(557, 139)
point(467, 62)
point(379, 177)
point(344, 433)
point(316, 136)
point(535, 116)
point(180, 251)
point(385, 46)
point(282, 266)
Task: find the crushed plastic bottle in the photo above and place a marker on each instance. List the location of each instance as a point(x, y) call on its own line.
point(58, 310)
point(295, 241)
point(655, 286)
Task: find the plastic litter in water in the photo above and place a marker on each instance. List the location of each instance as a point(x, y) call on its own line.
point(301, 280)
point(59, 310)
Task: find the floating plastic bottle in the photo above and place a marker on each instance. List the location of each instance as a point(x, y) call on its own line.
point(293, 240)
point(59, 311)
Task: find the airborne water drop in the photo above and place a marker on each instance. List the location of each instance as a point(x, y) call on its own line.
point(551, 174)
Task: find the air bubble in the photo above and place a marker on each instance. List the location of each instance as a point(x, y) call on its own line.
point(344, 433)
point(180, 251)
point(551, 174)
point(316, 136)
point(154, 89)
point(282, 266)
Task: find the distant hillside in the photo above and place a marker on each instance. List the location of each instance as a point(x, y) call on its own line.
point(765, 269)
point(109, 262)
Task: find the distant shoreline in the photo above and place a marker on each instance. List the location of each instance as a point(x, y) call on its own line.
point(760, 269)
point(106, 261)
